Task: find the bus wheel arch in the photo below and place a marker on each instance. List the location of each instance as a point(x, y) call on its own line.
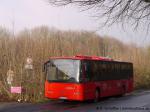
point(97, 95)
point(124, 89)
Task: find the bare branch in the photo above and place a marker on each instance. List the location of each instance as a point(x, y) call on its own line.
point(114, 10)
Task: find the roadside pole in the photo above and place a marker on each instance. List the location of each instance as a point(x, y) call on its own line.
point(28, 78)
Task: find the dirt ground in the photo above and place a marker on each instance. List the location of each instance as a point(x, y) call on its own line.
point(4, 98)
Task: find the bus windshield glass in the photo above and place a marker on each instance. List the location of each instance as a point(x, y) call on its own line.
point(63, 70)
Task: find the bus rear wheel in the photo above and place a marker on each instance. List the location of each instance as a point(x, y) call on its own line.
point(124, 90)
point(96, 97)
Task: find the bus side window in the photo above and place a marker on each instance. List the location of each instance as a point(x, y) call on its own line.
point(95, 71)
point(86, 71)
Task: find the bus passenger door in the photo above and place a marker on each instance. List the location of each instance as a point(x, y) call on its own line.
point(87, 82)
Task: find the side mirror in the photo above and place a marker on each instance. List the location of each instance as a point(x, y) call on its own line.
point(84, 80)
point(44, 67)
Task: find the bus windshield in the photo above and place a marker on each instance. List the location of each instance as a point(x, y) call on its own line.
point(62, 70)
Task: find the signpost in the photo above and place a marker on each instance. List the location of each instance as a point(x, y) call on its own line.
point(29, 63)
point(10, 76)
point(28, 80)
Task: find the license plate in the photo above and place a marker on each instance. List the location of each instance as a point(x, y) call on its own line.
point(63, 98)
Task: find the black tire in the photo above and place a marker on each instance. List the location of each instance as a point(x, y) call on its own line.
point(97, 96)
point(124, 90)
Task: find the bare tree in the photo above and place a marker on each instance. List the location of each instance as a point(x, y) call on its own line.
point(114, 10)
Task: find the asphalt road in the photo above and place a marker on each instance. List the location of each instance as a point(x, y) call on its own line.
point(138, 101)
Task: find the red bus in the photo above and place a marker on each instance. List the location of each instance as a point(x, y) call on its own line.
point(87, 78)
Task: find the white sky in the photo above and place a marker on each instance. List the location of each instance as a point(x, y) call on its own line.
point(32, 13)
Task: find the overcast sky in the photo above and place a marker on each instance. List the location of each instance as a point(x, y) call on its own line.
point(32, 13)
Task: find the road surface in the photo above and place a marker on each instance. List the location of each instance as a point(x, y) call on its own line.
point(135, 102)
